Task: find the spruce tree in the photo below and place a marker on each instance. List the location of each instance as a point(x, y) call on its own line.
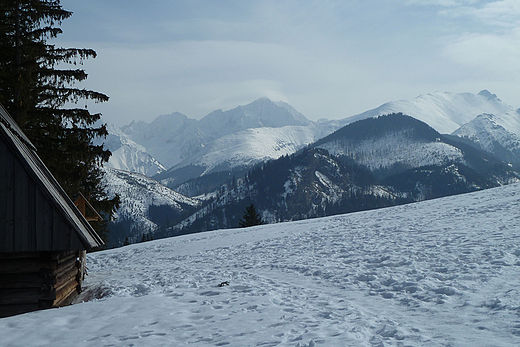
point(250, 218)
point(37, 88)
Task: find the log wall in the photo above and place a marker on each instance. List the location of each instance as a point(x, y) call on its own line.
point(31, 281)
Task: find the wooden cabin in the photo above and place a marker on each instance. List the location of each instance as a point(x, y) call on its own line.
point(43, 236)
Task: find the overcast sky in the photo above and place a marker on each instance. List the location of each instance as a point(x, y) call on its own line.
point(327, 58)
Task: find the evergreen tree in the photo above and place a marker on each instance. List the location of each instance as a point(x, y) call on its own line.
point(250, 218)
point(38, 91)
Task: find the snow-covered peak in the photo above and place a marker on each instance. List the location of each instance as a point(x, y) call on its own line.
point(173, 139)
point(252, 146)
point(297, 115)
point(260, 113)
point(138, 193)
point(488, 95)
point(443, 111)
point(171, 121)
point(128, 155)
point(494, 134)
point(163, 125)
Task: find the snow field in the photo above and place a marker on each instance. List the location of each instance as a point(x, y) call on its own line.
point(437, 273)
point(446, 112)
point(395, 148)
point(255, 145)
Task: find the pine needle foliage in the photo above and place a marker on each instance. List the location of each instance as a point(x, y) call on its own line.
point(250, 218)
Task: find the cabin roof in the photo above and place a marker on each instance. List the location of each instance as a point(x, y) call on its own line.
point(83, 235)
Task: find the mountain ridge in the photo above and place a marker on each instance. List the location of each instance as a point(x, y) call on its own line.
point(405, 159)
point(443, 111)
point(176, 141)
point(321, 180)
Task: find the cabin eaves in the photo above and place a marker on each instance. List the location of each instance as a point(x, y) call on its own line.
point(35, 212)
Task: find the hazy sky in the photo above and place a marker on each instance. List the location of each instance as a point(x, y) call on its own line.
point(327, 58)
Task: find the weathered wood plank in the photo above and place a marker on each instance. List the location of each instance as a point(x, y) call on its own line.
point(33, 223)
point(66, 266)
point(64, 293)
point(55, 235)
point(30, 265)
point(6, 198)
point(75, 242)
point(69, 232)
point(61, 232)
point(19, 255)
point(12, 310)
point(44, 217)
point(32, 262)
point(66, 255)
point(20, 281)
point(19, 296)
point(21, 213)
point(66, 277)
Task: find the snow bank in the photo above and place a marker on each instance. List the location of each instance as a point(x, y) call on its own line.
point(436, 273)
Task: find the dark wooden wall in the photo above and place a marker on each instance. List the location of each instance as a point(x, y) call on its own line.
point(28, 220)
point(31, 281)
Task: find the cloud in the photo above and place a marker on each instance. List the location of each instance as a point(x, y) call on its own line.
point(496, 16)
point(327, 58)
point(497, 56)
point(492, 45)
point(442, 3)
point(196, 77)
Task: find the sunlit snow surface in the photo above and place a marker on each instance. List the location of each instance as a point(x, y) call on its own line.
point(438, 273)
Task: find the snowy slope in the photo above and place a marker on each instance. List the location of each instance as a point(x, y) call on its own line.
point(442, 272)
point(137, 193)
point(252, 146)
point(443, 111)
point(397, 148)
point(128, 155)
point(174, 138)
point(494, 134)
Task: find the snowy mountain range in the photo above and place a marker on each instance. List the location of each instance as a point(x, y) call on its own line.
point(494, 134)
point(383, 142)
point(223, 140)
point(264, 130)
point(226, 145)
point(481, 118)
point(446, 112)
point(371, 163)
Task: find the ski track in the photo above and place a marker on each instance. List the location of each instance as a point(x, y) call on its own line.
point(437, 273)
